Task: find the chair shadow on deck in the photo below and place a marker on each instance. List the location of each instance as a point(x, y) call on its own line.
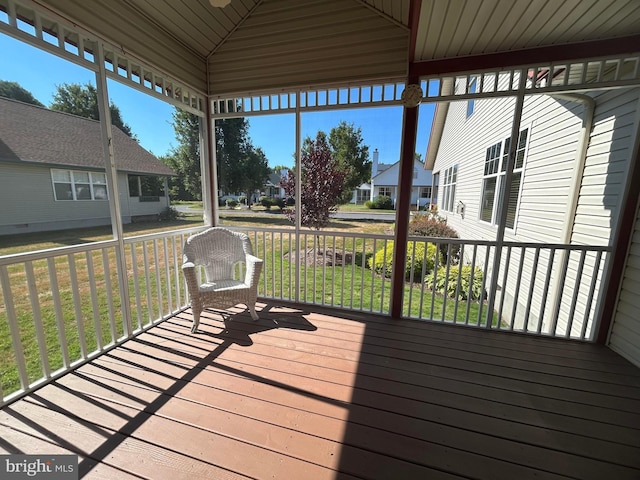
point(171, 343)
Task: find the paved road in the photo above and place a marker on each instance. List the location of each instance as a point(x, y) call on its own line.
point(384, 217)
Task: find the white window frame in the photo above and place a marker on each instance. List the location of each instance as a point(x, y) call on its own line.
point(449, 182)
point(494, 167)
point(382, 191)
point(96, 179)
point(425, 192)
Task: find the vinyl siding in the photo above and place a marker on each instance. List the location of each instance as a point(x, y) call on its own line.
point(29, 205)
point(318, 42)
point(554, 135)
point(625, 331)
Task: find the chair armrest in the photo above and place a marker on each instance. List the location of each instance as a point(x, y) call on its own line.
point(189, 271)
point(254, 269)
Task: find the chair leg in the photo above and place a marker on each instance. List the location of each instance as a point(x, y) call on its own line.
point(252, 311)
point(196, 319)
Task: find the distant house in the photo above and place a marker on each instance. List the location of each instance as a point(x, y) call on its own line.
point(272, 186)
point(572, 155)
point(384, 181)
point(52, 173)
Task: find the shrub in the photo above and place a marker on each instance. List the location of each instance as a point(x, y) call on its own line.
point(168, 213)
point(476, 292)
point(231, 203)
point(384, 263)
point(267, 202)
point(368, 204)
point(242, 199)
point(381, 202)
point(432, 225)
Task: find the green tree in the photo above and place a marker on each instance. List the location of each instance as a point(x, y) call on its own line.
point(15, 91)
point(185, 158)
point(242, 168)
point(82, 100)
point(351, 155)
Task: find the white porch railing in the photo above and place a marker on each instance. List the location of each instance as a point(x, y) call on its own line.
point(63, 307)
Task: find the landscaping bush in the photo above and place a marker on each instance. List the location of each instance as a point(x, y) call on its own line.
point(384, 263)
point(476, 292)
point(169, 213)
point(231, 203)
point(381, 202)
point(267, 202)
point(430, 225)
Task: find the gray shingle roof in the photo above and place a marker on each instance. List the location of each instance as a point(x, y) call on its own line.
point(32, 134)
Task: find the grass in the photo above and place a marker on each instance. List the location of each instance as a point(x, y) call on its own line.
point(90, 281)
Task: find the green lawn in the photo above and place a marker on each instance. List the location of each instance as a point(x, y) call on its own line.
point(92, 278)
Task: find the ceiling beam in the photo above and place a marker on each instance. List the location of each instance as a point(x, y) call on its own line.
point(529, 56)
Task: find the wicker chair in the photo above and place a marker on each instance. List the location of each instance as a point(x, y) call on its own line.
point(219, 251)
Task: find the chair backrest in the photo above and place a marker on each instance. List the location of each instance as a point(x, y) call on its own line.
point(218, 250)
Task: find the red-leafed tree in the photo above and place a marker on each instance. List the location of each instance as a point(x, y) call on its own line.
point(322, 184)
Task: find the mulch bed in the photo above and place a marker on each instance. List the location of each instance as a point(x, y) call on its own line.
point(318, 257)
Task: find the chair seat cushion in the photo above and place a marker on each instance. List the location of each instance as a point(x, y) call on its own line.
point(221, 285)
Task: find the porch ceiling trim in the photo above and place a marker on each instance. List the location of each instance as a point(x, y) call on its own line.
point(529, 56)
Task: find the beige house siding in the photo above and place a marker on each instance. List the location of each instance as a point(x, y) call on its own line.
point(554, 134)
point(318, 42)
point(625, 331)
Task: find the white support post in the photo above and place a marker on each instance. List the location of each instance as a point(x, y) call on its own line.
point(298, 199)
point(503, 196)
point(112, 185)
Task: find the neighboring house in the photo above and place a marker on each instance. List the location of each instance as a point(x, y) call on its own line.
point(52, 173)
point(569, 175)
point(384, 181)
point(272, 186)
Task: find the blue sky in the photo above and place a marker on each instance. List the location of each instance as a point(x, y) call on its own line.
point(150, 118)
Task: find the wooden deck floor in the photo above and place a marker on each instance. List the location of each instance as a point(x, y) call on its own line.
point(334, 395)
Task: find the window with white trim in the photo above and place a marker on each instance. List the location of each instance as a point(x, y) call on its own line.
point(495, 166)
point(79, 185)
point(386, 191)
point(425, 192)
point(449, 180)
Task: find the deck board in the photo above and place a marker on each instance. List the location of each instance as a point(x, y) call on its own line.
point(327, 394)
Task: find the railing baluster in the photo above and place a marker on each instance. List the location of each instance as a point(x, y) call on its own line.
point(160, 299)
point(176, 272)
point(77, 305)
point(576, 291)
point(136, 284)
point(37, 319)
point(516, 292)
point(484, 284)
point(435, 282)
point(145, 258)
point(595, 274)
point(545, 290)
point(471, 279)
point(457, 294)
point(560, 292)
point(167, 274)
point(97, 328)
point(14, 328)
point(364, 256)
point(504, 284)
point(534, 270)
point(57, 306)
point(412, 267)
point(446, 284)
point(344, 268)
point(109, 292)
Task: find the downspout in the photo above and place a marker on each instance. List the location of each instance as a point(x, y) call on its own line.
point(589, 106)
